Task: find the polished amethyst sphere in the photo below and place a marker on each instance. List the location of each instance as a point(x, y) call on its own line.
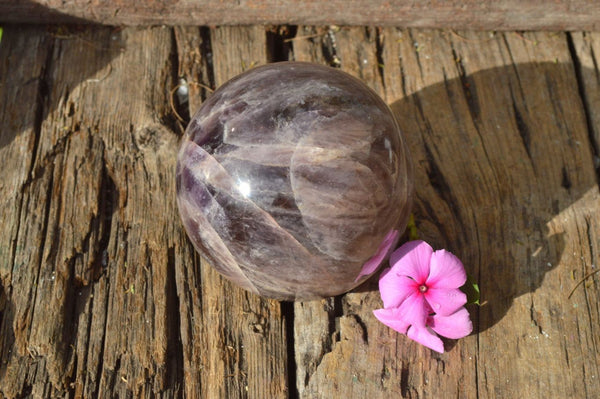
point(294, 181)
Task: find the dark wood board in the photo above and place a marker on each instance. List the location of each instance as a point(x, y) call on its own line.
point(102, 295)
point(455, 14)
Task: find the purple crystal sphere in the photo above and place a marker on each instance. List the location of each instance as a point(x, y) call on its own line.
point(294, 181)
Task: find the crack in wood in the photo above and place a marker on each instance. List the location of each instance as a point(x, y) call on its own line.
point(181, 103)
point(279, 45)
point(415, 45)
point(207, 54)
point(40, 105)
point(335, 310)
point(534, 316)
point(108, 197)
point(468, 88)
point(522, 128)
point(287, 313)
point(174, 349)
point(379, 44)
point(595, 146)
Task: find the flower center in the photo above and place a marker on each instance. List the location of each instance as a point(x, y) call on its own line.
point(423, 288)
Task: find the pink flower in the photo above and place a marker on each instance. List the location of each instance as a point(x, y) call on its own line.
point(421, 295)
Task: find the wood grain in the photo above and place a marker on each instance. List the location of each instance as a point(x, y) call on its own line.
point(102, 295)
point(506, 180)
point(245, 351)
point(585, 50)
point(469, 14)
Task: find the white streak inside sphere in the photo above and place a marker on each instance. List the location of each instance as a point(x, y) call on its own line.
point(244, 188)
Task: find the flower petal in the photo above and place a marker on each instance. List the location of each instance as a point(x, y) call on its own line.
point(390, 318)
point(414, 310)
point(446, 271)
point(444, 301)
point(455, 326)
point(412, 259)
point(426, 337)
point(389, 242)
point(395, 289)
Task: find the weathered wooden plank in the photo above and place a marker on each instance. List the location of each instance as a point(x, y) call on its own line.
point(194, 69)
point(586, 47)
point(92, 296)
point(336, 355)
point(102, 295)
point(135, 296)
point(526, 148)
point(19, 127)
point(506, 180)
point(243, 340)
point(194, 66)
point(470, 14)
point(509, 166)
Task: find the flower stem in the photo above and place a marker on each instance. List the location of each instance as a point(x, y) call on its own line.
point(581, 282)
